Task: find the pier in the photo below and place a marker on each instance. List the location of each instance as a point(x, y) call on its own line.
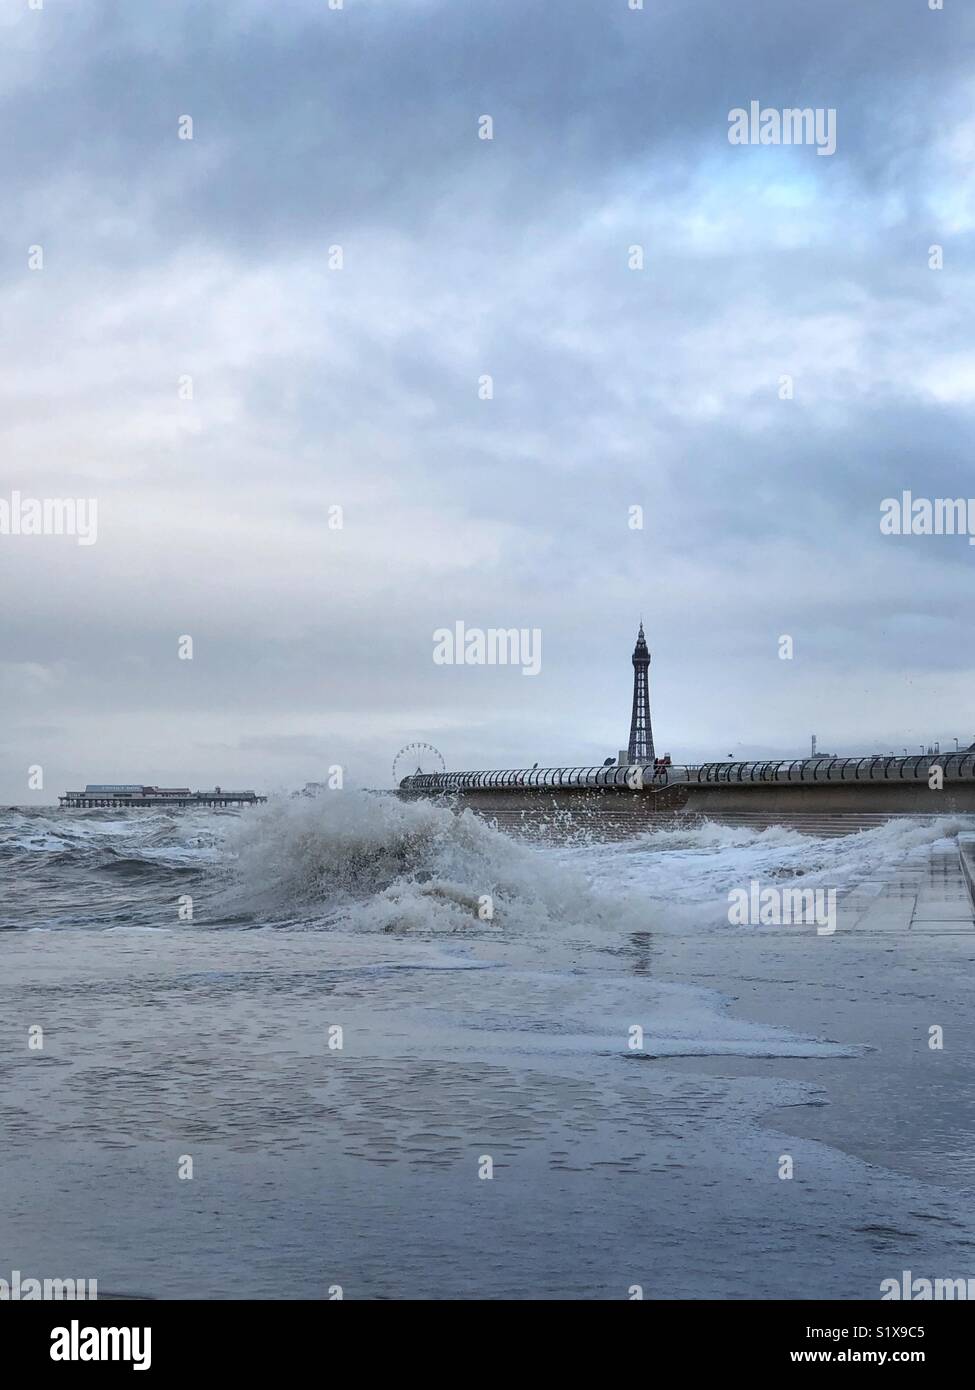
point(119, 797)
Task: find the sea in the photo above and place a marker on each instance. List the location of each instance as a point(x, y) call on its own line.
point(355, 1047)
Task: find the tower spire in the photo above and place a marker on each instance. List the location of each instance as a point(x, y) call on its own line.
point(640, 749)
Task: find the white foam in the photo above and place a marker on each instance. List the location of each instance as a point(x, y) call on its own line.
point(686, 872)
point(381, 864)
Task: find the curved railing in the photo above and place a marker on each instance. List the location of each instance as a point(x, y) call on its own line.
point(535, 778)
point(879, 767)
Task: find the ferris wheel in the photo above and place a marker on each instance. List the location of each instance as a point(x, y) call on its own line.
point(417, 758)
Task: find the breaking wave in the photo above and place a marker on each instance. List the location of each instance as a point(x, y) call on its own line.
point(371, 862)
point(381, 864)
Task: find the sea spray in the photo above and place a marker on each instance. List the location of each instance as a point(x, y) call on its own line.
point(374, 863)
point(685, 871)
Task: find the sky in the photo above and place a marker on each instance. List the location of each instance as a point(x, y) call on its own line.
point(223, 339)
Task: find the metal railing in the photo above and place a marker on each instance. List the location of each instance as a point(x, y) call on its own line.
point(536, 778)
point(876, 767)
point(956, 767)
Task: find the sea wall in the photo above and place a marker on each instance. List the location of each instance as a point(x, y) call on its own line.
point(895, 798)
point(765, 798)
point(966, 848)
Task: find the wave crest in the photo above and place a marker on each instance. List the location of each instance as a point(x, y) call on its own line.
point(380, 864)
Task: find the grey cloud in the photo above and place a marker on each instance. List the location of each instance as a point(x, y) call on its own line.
point(612, 387)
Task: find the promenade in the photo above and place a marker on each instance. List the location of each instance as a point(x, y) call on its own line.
point(876, 785)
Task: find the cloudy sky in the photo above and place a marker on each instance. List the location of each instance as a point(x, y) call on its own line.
point(312, 387)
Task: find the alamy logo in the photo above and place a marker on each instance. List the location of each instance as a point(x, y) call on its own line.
point(790, 126)
point(50, 516)
point(908, 515)
point(77, 1343)
point(494, 646)
point(756, 906)
point(922, 1290)
point(19, 1288)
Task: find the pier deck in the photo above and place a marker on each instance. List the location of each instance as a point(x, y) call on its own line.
point(81, 801)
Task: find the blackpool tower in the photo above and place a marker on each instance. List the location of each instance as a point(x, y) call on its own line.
point(641, 734)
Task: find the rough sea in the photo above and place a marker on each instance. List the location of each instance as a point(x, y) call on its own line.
point(353, 1043)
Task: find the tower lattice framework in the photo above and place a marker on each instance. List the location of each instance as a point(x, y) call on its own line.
point(640, 748)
